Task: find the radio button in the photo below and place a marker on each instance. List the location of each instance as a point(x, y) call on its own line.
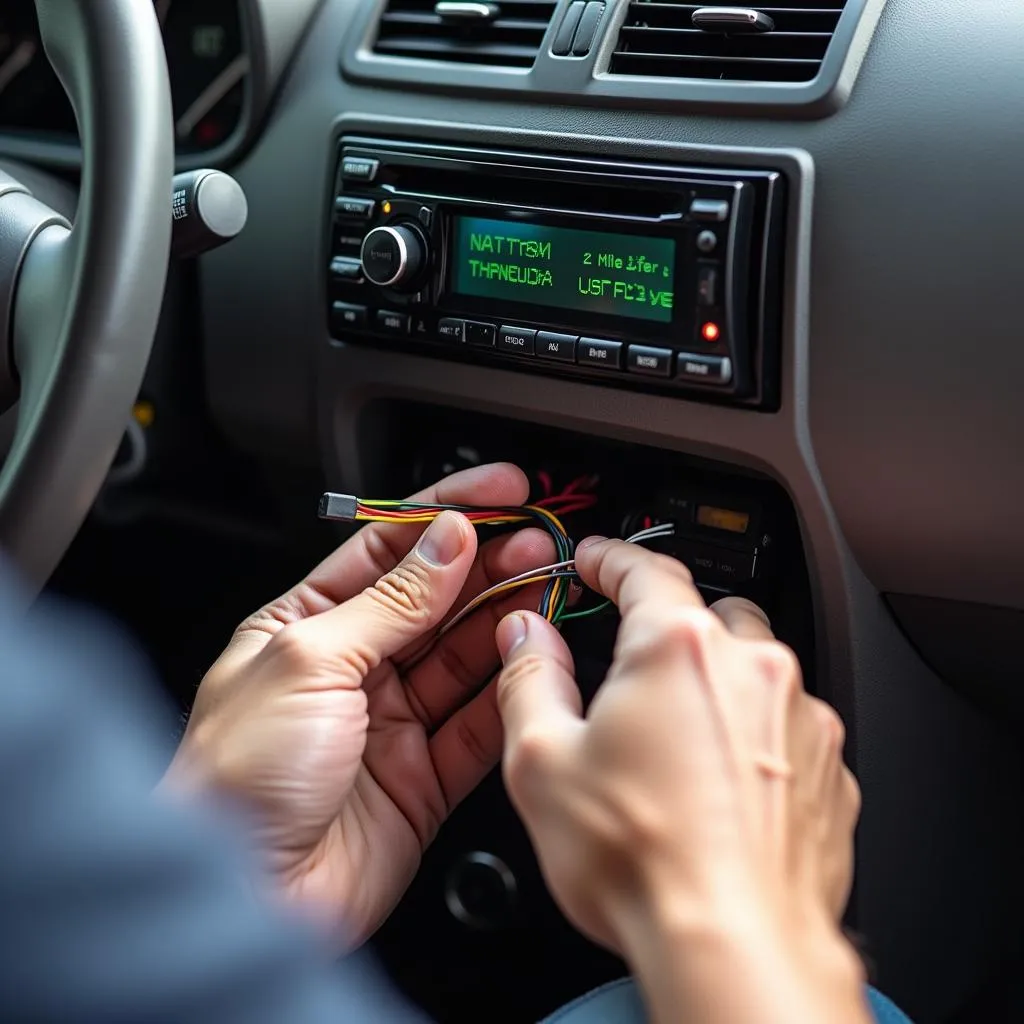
point(556, 346)
point(345, 316)
point(709, 209)
point(392, 323)
point(707, 284)
point(451, 329)
point(597, 352)
point(704, 369)
point(345, 269)
point(393, 256)
point(354, 207)
point(655, 362)
point(707, 241)
point(480, 335)
point(360, 168)
point(520, 341)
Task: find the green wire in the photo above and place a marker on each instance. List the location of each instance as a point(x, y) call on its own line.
point(586, 613)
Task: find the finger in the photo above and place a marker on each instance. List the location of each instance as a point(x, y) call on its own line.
point(537, 690)
point(403, 605)
point(468, 746)
point(633, 578)
point(463, 659)
point(379, 547)
point(497, 560)
point(743, 618)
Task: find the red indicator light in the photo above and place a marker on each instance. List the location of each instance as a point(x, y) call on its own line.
point(711, 332)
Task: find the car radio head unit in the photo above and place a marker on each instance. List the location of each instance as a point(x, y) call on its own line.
point(642, 276)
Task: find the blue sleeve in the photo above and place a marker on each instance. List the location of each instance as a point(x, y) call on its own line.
point(118, 907)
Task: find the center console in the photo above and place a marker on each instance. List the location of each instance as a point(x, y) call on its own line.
point(479, 893)
point(645, 276)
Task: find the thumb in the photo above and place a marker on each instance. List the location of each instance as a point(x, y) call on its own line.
point(538, 698)
point(407, 602)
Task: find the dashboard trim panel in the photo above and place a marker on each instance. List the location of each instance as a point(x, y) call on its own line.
point(587, 82)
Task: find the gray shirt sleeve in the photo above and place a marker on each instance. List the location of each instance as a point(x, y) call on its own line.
point(119, 907)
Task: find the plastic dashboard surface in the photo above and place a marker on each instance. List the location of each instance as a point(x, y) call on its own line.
point(910, 379)
point(900, 423)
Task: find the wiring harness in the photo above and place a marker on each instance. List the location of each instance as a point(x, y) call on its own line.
point(547, 513)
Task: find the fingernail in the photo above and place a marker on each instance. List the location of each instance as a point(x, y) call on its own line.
point(589, 542)
point(511, 633)
point(443, 540)
point(754, 609)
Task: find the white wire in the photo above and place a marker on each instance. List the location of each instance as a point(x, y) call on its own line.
point(545, 572)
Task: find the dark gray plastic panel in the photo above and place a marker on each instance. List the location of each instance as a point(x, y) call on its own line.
point(271, 30)
point(901, 422)
point(587, 81)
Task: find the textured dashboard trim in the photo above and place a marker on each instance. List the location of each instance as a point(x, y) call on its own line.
point(588, 82)
point(271, 30)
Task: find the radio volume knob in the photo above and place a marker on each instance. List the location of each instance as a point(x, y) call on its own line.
point(393, 256)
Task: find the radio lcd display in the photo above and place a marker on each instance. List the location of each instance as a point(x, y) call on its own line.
point(587, 271)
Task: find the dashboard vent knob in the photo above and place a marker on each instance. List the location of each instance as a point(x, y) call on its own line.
point(782, 41)
point(501, 35)
point(447, 10)
point(731, 19)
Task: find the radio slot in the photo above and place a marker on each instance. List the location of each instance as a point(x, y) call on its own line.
point(650, 277)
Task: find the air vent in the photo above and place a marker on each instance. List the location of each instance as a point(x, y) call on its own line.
point(775, 42)
point(505, 33)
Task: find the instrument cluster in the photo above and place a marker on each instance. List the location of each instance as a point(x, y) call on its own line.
point(207, 60)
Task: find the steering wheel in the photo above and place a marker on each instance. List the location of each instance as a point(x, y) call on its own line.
point(79, 305)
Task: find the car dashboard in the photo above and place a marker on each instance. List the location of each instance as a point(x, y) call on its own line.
point(756, 269)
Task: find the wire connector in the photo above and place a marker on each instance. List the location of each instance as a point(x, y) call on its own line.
point(338, 507)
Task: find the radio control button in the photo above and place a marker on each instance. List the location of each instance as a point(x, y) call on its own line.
point(345, 269)
point(704, 369)
point(354, 207)
point(519, 341)
point(392, 323)
point(451, 329)
point(707, 241)
point(393, 256)
point(707, 284)
point(347, 317)
point(709, 209)
point(349, 242)
point(359, 168)
point(480, 335)
point(597, 352)
point(551, 345)
point(654, 362)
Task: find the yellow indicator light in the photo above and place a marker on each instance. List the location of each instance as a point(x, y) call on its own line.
point(386, 206)
point(144, 414)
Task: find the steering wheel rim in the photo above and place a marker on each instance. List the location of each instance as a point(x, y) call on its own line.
point(84, 302)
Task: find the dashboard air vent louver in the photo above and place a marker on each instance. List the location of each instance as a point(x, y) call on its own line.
point(504, 34)
point(783, 41)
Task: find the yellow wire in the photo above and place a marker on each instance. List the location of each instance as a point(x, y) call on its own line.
point(498, 519)
point(431, 516)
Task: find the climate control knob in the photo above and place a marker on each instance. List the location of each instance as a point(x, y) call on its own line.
point(393, 256)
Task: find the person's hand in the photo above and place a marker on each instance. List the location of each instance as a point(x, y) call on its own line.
point(348, 762)
point(704, 792)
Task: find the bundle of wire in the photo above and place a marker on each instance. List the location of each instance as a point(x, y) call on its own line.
point(547, 512)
